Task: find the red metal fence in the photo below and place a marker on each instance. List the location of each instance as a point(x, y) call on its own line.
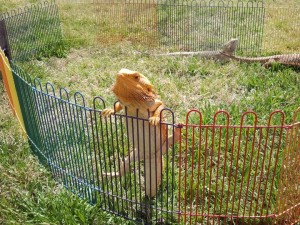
point(244, 173)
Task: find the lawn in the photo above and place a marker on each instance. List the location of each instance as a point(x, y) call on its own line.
point(28, 194)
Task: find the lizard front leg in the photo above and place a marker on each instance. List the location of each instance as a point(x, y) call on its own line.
point(268, 63)
point(107, 112)
point(156, 109)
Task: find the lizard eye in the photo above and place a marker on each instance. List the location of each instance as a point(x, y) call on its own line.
point(149, 89)
point(136, 77)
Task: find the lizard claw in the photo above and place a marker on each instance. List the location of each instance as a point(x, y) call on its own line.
point(107, 112)
point(154, 120)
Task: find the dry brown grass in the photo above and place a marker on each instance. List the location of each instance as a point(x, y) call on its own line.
point(282, 29)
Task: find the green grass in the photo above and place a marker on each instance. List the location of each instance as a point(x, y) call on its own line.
point(28, 193)
point(240, 87)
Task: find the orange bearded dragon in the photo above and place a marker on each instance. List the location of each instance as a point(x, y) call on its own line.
point(135, 92)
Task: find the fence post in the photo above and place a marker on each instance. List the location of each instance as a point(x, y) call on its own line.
point(4, 44)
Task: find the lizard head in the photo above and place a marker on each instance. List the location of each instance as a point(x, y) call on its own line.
point(134, 89)
point(230, 47)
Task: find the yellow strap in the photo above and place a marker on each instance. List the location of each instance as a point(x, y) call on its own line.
point(10, 86)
